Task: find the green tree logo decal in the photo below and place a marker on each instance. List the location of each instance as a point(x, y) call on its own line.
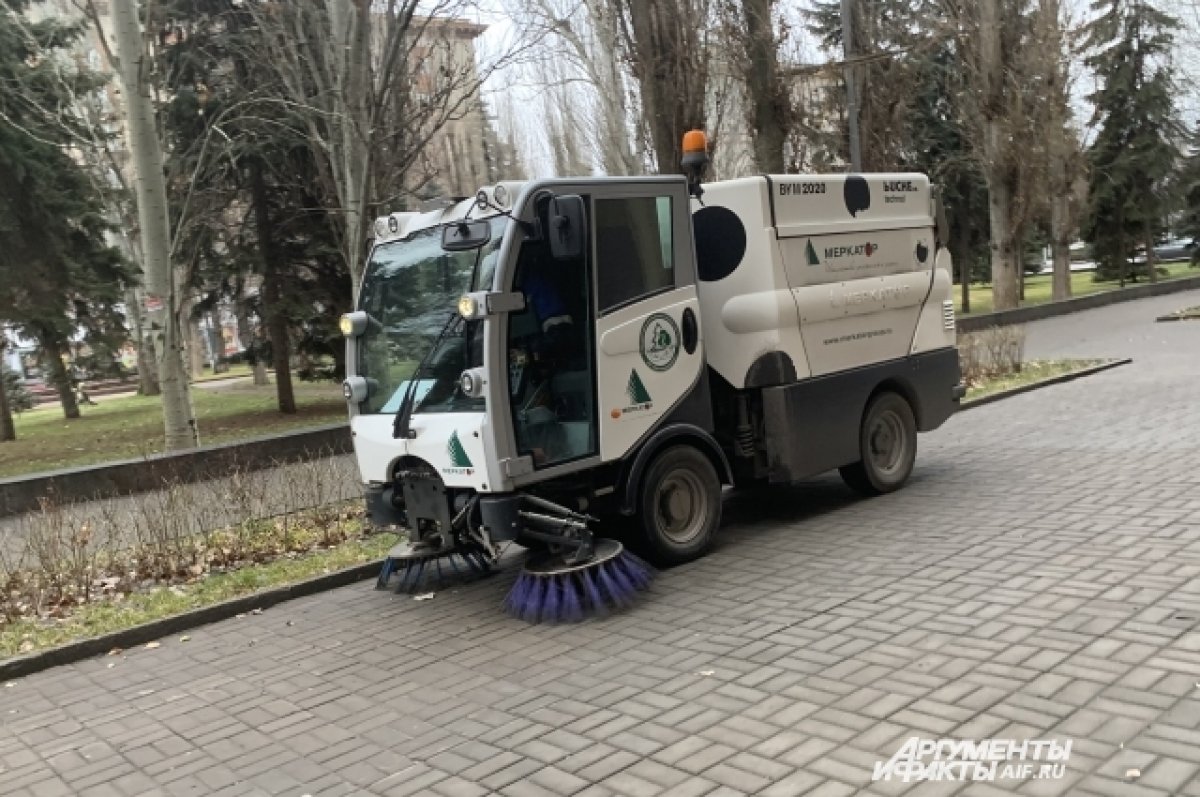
point(636, 390)
point(456, 452)
point(810, 254)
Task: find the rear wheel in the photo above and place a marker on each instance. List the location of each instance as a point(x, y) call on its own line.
point(679, 506)
point(887, 445)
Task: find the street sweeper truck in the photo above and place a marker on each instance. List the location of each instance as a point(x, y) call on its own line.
point(579, 365)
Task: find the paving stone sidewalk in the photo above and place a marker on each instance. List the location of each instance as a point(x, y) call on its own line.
point(1036, 580)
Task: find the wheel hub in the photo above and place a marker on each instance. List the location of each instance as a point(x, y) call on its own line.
point(680, 505)
point(886, 442)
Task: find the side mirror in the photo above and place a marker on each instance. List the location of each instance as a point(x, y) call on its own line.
point(462, 236)
point(567, 227)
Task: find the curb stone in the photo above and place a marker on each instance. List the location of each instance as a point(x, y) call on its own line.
point(72, 652)
point(974, 322)
point(1047, 382)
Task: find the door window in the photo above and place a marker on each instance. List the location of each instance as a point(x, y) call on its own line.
point(551, 384)
point(634, 249)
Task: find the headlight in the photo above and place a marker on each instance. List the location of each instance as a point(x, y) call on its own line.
point(356, 389)
point(471, 383)
point(353, 324)
point(468, 307)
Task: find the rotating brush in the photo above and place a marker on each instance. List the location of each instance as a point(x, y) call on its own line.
point(548, 590)
point(422, 570)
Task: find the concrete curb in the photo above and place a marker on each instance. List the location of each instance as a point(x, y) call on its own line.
point(1047, 382)
point(1021, 315)
point(127, 477)
point(71, 652)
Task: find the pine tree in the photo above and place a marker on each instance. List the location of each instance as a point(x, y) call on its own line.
point(1137, 146)
point(58, 275)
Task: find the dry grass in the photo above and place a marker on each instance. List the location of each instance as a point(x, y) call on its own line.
point(96, 558)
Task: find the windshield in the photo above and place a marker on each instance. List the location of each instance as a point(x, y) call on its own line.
point(410, 290)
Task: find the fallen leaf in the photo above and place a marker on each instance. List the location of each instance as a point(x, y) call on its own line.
point(256, 611)
point(707, 672)
point(25, 647)
point(10, 685)
point(152, 645)
point(112, 664)
point(184, 638)
point(425, 597)
point(239, 616)
point(1133, 773)
point(115, 652)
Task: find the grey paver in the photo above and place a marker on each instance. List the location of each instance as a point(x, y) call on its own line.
point(1034, 580)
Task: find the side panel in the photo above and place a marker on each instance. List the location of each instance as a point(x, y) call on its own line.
point(747, 307)
point(638, 382)
point(813, 425)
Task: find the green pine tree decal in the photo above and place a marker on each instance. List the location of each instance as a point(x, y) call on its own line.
point(636, 390)
point(456, 452)
point(811, 254)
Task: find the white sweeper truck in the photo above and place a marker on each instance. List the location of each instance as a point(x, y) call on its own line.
point(579, 365)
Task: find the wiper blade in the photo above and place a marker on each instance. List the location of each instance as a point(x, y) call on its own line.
point(401, 428)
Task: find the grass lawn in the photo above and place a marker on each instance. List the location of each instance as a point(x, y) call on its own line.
point(93, 619)
point(1032, 371)
point(128, 427)
point(1037, 288)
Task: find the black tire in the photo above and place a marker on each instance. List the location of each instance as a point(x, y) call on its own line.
point(679, 506)
point(887, 443)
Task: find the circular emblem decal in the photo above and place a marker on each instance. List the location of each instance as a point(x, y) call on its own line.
point(660, 342)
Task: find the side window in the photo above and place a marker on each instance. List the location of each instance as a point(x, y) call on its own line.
point(634, 249)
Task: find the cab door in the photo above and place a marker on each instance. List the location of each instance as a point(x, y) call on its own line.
point(649, 353)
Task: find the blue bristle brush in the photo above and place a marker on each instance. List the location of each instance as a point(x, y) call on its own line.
point(548, 590)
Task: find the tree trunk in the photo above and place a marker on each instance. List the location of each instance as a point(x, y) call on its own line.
point(767, 116)
point(147, 371)
point(193, 340)
point(277, 327)
point(57, 371)
point(670, 71)
point(996, 157)
point(1151, 258)
point(8, 430)
point(1060, 244)
point(960, 248)
point(179, 420)
point(252, 342)
point(1004, 268)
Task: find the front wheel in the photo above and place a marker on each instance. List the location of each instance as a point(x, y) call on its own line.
point(680, 506)
point(887, 445)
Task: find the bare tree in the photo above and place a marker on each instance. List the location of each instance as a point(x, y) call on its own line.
point(163, 288)
point(585, 36)
point(667, 47)
point(1062, 148)
point(375, 82)
point(993, 38)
